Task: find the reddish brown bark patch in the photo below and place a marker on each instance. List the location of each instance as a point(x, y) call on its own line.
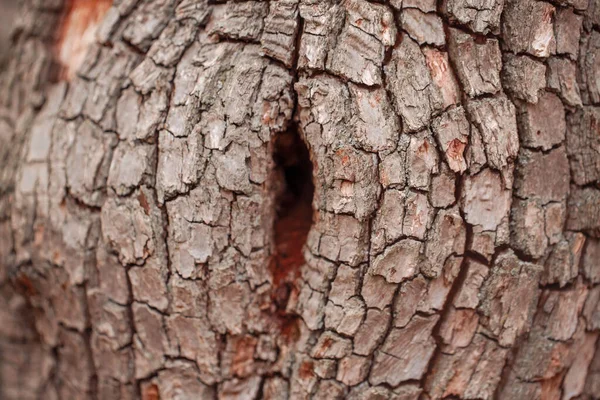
point(289, 328)
point(150, 392)
point(26, 285)
point(77, 32)
point(455, 150)
point(144, 202)
point(306, 370)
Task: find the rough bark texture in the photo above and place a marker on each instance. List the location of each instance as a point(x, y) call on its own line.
point(159, 234)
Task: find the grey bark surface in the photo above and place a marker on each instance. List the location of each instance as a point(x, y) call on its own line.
point(453, 248)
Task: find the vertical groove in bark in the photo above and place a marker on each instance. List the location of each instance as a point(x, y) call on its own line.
point(293, 177)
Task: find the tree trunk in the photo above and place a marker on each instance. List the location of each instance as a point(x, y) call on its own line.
point(301, 199)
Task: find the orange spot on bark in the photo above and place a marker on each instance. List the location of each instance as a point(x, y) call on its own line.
point(323, 347)
point(150, 392)
point(306, 370)
point(436, 63)
point(326, 343)
point(77, 32)
point(456, 149)
point(344, 157)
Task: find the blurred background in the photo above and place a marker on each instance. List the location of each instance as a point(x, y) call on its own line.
point(8, 9)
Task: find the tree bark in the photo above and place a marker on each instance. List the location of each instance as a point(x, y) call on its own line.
point(301, 199)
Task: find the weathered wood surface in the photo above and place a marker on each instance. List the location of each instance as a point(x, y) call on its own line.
point(454, 248)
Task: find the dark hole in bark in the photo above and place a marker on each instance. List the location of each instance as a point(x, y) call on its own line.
point(293, 214)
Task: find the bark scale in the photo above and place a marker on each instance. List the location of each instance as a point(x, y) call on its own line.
point(301, 199)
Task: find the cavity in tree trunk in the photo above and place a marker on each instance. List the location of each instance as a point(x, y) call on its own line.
point(301, 199)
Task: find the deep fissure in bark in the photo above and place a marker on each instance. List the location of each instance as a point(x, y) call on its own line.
point(293, 211)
